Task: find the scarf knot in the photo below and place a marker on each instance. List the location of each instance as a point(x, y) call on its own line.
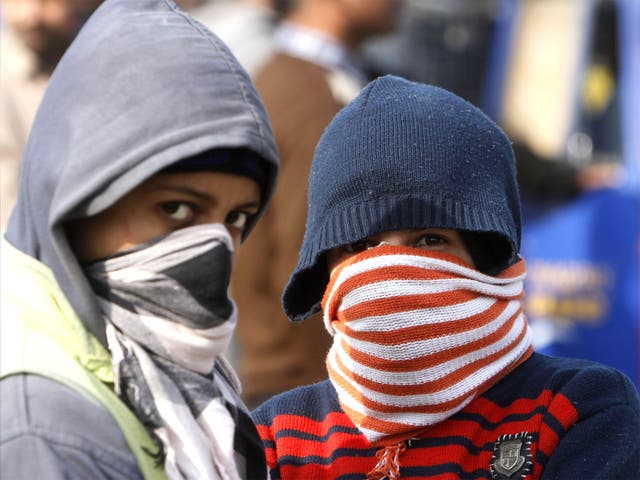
point(388, 462)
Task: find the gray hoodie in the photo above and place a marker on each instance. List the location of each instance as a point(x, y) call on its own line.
point(143, 86)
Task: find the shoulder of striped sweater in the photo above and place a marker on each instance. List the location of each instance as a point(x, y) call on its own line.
point(588, 385)
point(312, 401)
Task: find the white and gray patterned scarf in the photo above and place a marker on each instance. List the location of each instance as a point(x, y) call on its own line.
point(169, 320)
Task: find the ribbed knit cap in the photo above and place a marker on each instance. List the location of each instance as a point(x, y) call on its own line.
point(403, 155)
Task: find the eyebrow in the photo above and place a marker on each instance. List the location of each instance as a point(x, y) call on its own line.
point(205, 196)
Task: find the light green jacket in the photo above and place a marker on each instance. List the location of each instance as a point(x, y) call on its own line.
point(40, 333)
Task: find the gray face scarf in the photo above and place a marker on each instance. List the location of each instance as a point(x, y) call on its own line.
point(169, 319)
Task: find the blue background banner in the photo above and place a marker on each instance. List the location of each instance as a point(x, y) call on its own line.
point(582, 286)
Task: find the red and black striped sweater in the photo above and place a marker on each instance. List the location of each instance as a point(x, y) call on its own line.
point(551, 418)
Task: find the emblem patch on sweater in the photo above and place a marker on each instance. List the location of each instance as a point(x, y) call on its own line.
point(512, 459)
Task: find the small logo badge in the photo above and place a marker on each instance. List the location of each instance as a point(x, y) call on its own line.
point(511, 457)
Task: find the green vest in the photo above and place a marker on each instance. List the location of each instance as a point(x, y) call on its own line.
point(40, 333)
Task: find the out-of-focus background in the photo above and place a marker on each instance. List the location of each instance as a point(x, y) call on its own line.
point(562, 77)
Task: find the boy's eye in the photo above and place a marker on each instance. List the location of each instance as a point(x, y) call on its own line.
point(359, 246)
point(178, 211)
point(238, 220)
point(430, 240)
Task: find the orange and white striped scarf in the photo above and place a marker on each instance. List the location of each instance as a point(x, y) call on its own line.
point(417, 336)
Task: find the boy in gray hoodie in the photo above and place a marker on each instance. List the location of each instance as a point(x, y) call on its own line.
point(150, 160)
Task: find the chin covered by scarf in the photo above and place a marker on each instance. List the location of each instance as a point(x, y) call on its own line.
point(417, 335)
point(169, 320)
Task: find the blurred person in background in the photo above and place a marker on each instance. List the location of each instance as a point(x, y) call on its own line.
point(245, 26)
point(34, 36)
point(314, 72)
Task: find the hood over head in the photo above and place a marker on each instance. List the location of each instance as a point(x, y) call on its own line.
point(409, 156)
point(142, 87)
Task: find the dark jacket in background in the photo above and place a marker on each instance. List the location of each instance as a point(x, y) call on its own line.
point(276, 354)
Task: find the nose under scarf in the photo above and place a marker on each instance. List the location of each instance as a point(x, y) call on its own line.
point(169, 319)
point(417, 335)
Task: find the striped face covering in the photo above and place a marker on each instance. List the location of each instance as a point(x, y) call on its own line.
point(417, 335)
point(169, 320)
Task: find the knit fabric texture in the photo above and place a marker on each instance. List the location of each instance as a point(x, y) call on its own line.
point(567, 409)
point(403, 155)
point(417, 336)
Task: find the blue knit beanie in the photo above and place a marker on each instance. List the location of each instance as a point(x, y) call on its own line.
point(405, 155)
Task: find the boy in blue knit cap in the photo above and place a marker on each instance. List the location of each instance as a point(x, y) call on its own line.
point(411, 251)
point(149, 162)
